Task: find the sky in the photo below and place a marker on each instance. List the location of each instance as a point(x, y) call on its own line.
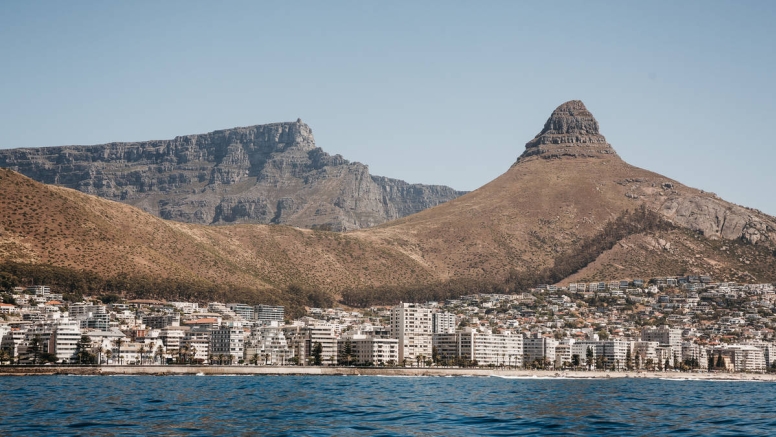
point(436, 92)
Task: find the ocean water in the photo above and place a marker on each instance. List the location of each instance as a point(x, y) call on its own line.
point(386, 406)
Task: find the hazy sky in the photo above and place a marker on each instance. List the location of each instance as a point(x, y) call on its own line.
point(435, 92)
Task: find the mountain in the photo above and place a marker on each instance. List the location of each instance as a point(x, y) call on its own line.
point(46, 225)
point(566, 185)
point(270, 173)
point(568, 204)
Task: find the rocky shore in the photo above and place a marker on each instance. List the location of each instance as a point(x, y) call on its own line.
point(369, 371)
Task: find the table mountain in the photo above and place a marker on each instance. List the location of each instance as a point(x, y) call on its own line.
point(269, 173)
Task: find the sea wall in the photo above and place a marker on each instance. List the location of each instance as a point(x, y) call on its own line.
point(365, 371)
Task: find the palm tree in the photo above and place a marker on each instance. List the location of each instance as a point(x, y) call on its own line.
point(192, 353)
point(100, 350)
point(220, 359)
point(182, 352)
point(35, 345)
point(160, 353)
point(117, 343)
point(151, 347)
point(142, 351)
point(255, 359)
point(108, 354)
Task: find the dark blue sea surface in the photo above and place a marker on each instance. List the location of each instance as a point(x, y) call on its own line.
point(371, 405)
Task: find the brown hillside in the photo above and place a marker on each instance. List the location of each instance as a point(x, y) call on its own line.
point(566, 186)
point(59, 226)
point(564, 189)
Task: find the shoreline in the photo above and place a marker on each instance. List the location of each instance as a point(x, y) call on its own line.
point(371, 371)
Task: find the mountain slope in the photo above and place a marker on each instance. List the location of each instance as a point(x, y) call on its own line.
point(260, 174)
point(566, 189)
point(44, 224)
point(566, 185)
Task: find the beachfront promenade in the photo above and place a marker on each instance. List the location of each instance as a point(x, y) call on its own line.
point(366, 371)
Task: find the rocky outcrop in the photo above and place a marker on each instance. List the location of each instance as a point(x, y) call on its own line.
point(716, 219)
point(571, 131)
point(270, 173)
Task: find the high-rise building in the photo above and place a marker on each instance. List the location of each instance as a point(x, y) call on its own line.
point(411, 325)
point(268, 313)
point(325, 334)
point(539, 349)
point(443, 322)
point(244, 311)
point(664, 335)
point(368, 349)
point(228, 340)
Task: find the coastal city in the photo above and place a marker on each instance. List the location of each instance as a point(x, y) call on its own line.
point(688, 323)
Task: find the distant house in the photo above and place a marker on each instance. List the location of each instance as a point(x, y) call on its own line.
point(7, 308)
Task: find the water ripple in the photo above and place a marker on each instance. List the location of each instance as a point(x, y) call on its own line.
point(325, 406)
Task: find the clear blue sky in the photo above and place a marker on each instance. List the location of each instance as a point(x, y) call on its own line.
point(435, 92)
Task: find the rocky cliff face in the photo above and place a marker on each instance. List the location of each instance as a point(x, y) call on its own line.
point(571, 131)
point(270, 173)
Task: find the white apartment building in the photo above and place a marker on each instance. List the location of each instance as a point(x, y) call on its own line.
point(326, 335)
point(366, 348)
point(447, 346)
point(268, 345)
point(57, 335)
point(487, 348)
point(198, 340)
point(244, 311)
point(296, 339)
point(171, 339)
point(186, 307)
point(663, 335)
point(268, 313)
point(13, 341)
point(614, 352)
point(228, 340)
point(644, 351)
point(744, 358)
point(539, 348)
point(563, 353)
point(443, 322)
point(411, 324)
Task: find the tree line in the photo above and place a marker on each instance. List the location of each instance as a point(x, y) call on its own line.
point(564, 265)
point(75, 284)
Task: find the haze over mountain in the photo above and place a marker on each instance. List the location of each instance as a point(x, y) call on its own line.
point(269, 173)
point(562, 192)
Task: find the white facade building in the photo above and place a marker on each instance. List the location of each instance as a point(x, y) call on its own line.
point(443, 322)
point(411, 324)
point(368, 349)
point(229, 341)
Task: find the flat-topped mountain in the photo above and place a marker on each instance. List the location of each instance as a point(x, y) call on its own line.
point(269, 173)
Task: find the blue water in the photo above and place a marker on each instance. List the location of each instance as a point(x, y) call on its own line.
point(369, 405)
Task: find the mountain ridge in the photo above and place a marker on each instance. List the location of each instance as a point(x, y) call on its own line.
point(271, 173)
point(543, 208)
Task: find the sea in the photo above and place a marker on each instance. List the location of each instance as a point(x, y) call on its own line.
point(381, 406)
